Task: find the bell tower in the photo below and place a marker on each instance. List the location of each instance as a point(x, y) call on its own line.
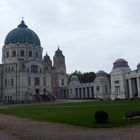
point(60, 78)
point(59, 62)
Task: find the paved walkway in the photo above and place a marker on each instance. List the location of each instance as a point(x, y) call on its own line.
point(57, 101)
point(15, 128)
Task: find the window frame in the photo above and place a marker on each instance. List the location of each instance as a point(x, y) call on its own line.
point(14, 53)
point(30, 54)
point(22, 53)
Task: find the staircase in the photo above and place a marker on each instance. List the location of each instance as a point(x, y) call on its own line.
point(43, 97)
point(47, 97)
point(52, 96)
point(38, 97)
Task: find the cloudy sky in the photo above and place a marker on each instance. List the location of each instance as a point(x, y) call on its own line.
point(91, 33)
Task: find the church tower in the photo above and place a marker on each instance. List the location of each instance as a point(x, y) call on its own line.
point(47, 60)
point(59, 61)
point(60, 78)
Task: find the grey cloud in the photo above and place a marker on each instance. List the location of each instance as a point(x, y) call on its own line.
point(91, 33)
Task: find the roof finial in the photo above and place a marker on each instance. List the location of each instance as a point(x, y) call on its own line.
point(22, 24)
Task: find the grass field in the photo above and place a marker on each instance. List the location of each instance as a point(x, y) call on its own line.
point(79, 114)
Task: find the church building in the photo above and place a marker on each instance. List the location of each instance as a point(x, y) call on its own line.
point(25, 74)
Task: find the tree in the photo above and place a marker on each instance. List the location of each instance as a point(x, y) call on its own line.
point(85, 77)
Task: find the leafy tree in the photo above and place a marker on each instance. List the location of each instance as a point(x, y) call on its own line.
point(85, 77)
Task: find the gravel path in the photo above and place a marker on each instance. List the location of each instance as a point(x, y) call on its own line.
point(15, 128)
point(7, 136)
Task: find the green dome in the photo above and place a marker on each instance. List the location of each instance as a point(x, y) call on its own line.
point(46, 57)
point(22, 34)
point(58, 52)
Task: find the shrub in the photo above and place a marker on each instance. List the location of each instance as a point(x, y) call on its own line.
point(101, 117)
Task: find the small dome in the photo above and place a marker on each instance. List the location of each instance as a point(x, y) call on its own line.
point(138, 66)
point(120, 63)
point(74, 78)
point(46, 57)
point(101, 73)
point(58, 52)
point(22, 34)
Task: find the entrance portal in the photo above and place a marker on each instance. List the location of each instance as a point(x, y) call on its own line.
point(37, 91)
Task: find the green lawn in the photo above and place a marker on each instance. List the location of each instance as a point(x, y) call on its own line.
point(80, 114)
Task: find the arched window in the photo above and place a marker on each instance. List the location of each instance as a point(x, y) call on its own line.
point(34, 68)
point(22, 53)
point(14, 53)
point(7, 54)
point(30, 53)
point(5, 82)
point(62, 81)
point(12, 82)
point(37, 54)
point(37, 81)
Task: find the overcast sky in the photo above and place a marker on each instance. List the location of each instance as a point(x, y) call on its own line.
point(91, 33)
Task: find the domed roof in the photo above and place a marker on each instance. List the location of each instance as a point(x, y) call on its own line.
point(58, 52)
point(22, 34)
point(120, 63)
point(74, 78)
point(46, 57)
point(120, 60)
point(101, 73)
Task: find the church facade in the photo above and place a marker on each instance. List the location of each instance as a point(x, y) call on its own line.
point(25, 75)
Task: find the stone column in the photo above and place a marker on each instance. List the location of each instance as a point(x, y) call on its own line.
point(86, 96)
point(90, 92)
point(130, 88)
point(78, 95)
point(138, 86)
point(82, 96)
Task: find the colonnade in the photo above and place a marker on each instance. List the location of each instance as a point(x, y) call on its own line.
point(134, 87)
